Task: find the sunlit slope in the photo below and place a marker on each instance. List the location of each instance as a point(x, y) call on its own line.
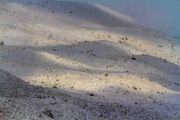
point(89, 52)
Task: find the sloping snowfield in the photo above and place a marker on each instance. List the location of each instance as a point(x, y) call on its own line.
point(79, 61)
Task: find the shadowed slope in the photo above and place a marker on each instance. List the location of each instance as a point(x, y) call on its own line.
point(44, 99)
point(95, 57)
point(75, 12)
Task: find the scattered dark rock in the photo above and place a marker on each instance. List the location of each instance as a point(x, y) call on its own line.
point(54, 86)
point(91, 94)
point(40, 115)
point(176, 83)
point(160, 46)
point(49, 113)
point(133, 58)
point(1, 43)
point(100, 115)
point(165, 60)
point(39, 96)
point(124, 38)
point(134, 87)
point(126, 92)
point(23, 48)
point(106, 74)
point(120, 41)
point(135, 103)
point(1, 113)
point(109, 36)
point(54, 49)
point(70, 12)
point(65, 100)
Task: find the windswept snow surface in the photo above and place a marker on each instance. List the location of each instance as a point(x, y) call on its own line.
point(69, 60)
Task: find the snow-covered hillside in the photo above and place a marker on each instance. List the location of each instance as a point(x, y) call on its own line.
point(67, 60)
